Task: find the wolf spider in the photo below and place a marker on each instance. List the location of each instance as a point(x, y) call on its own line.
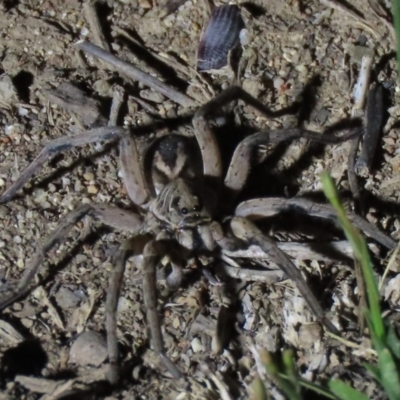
point(181, 212)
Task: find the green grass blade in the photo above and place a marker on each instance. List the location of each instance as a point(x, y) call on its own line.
point(312, 386)
point(377, 343)
point(274, 370)
point(259, 392)
point(360, 249)
point(393, 341)
point(374, 371)
point(389, 374)
point(396, 22)
point(290, 370)
point(344, 391)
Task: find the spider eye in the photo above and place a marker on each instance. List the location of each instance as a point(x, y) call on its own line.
point(196, 208)
point(184, 210)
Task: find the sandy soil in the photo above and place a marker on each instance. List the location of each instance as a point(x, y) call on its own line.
point(307, 53)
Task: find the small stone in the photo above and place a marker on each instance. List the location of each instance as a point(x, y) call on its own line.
point(17, 239)
point(245, 37)
point(252, 86)
point(84, 31)
point(89, 176)
point(8, 92)
point(66, 298)
point(93, 189)
point(151, 95)
point(9, 130)
point(22, 111)
point(310, 335)
point(196, 345)
point(90, 348)
point(65, 181)
point(124, 304)
point(145, 4)
point(102, 87)
point(278, 82)
point(27, 323)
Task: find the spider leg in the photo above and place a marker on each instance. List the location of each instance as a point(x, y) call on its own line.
point(239, 168)
point(212, 163)
point(265, 207)
point(108, 215)
point(58, 146)
point(132, 171)
point(151, 254)
point(247, 231)
point(111, 216)
point(114, 289)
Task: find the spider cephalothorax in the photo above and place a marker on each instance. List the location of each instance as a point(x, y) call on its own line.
point(183, 211)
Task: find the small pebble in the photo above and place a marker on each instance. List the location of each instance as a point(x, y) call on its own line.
point(245, 37)
point(196, 345)
point(145, 4)
point(310, 335)
point(9, 129)
point(90, 348)
point(22, 112)
point(124, 304)
point(278, 82)
point(17, 239)
point(89, 176)
point(92, 189)
point(84, 31)
point(66, 298)
point(27, 323)
point(151, 95)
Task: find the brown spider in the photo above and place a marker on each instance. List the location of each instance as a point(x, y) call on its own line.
point(180, 217)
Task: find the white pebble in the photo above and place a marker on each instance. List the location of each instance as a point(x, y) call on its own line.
point(65, 181)
point(278, 82)
point(196, 345)
point(84, 31)
point(124, 304)
point(9, 129)
point(245, 37)
point(22, 111)
point(17, 239)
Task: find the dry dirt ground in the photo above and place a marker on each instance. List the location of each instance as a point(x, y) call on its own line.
point(297, 51)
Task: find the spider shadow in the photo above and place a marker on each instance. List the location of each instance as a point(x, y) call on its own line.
point(127, 366)
point(266, 180)
point(26, 358)
point(148, 58)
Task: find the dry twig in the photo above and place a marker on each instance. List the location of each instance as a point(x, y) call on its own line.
point(136, 74)
point(89, 8)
